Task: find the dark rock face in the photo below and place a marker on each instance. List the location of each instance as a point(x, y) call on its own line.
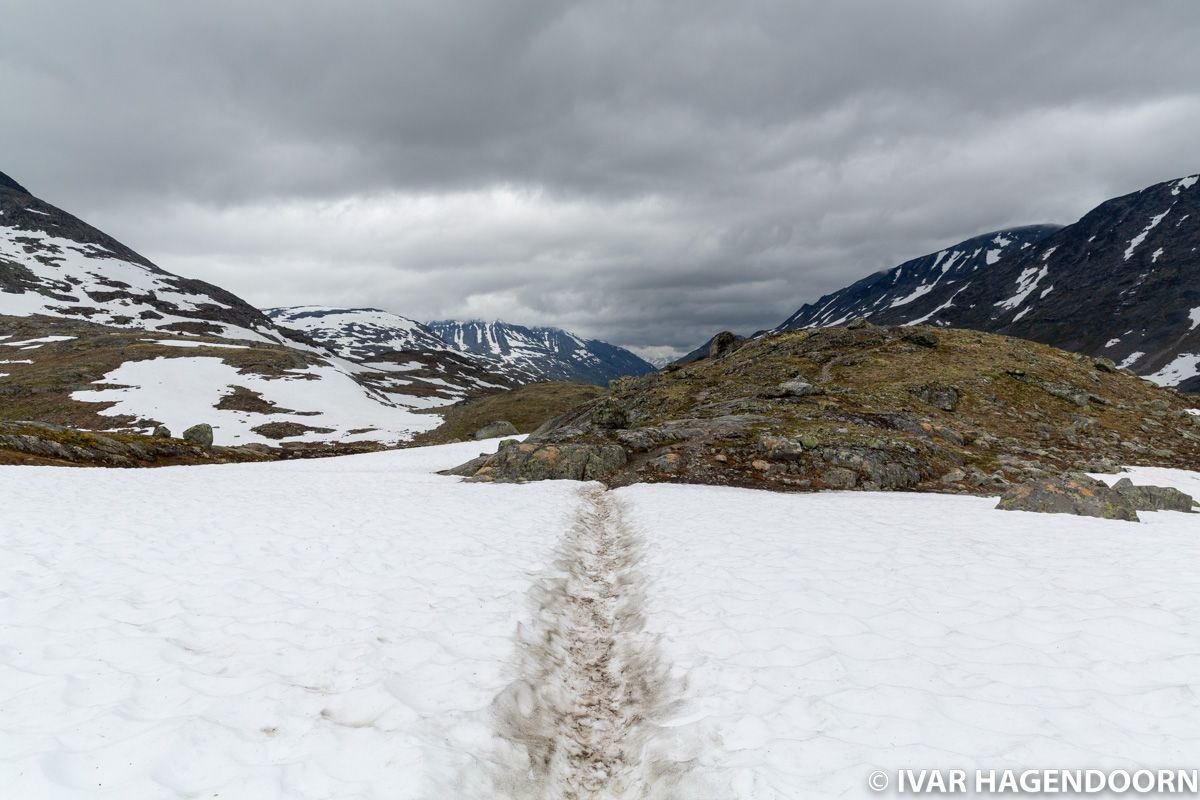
point(8, 183)
point(863, 408)
point(1120, 284)
point(1076, 494)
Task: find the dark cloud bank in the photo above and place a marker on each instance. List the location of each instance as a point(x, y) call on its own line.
point(643, 172)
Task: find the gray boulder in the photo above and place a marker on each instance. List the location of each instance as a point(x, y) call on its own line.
point(1154, 498)
point(201, 434)
point(722, 344)
point(539, 462)
point(1069, 494)
point(162, 432)
point(794, 388)
point(495, 430)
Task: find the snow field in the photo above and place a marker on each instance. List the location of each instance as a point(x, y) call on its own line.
point(361, 628)
point(316, 629)
point(181, 392)
point(824, 636)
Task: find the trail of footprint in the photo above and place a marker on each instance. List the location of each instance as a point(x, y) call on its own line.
point(592, 688)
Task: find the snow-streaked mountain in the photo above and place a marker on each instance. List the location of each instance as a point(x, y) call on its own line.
point(543, 353)
point(54, 264)
point(358, 333)
point(1122, 282)
point(94, 335)
point(906, 294)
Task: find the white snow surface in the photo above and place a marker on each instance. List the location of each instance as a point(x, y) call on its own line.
point(1141, 237)
point(1027, 281)
point(340, 628)
point(194, 343)
point(1184, 183)
point(180, 392)
point(1184, 366)
point(29, 344)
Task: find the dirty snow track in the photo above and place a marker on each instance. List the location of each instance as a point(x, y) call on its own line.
point(591, 686)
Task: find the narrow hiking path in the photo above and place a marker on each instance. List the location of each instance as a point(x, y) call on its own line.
point(591, 686)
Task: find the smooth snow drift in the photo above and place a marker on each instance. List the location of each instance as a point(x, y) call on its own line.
point(344, 628)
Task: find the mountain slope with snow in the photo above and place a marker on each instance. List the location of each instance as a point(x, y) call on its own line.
point(54, 264)
point(93, 335)
point(918, 289)
point(541, 353)
point(1122, 282)
point(358, 333)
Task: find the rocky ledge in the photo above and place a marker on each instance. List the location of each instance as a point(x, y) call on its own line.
point(863, 407)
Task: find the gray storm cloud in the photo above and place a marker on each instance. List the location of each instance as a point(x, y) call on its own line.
point(645, 172)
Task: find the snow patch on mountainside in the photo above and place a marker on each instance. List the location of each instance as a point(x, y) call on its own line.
point(1182, 368)
point(1027, 282)
point(358, 332)
point(1141, 237)
point(180, 392)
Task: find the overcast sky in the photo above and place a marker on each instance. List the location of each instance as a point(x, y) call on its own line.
point(642, 172)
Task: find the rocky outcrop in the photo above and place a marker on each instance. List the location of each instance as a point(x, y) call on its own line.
point(517, 463)
point(495, 430)
point(1154, 498)
point(43, 443)
point(1084, 496)
point(1075, 494)
point(865, 407)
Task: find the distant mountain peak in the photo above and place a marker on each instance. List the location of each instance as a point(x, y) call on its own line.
point(540, 353)
point(8, 183)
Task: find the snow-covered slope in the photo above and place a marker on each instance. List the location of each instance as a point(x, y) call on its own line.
point(54, 264)
point(526, 354)
point(358, 333)
point(1122, 282)
point(362, 628)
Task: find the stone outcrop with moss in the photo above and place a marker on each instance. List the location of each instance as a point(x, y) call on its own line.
point(867, 407)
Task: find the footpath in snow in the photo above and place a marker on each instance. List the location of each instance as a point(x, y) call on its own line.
point(362, 628)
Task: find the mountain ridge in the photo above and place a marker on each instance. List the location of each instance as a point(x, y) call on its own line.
point(1122, 282)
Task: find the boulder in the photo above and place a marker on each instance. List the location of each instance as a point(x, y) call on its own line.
point(1154, 498)
point(201, 434)
point(722, 344)
point(162, 432)
point(921, 338)
point(1069, 494)
point(495, 430)
point(937, 395)
point(794, 388)
point(539, 462)
point(608, 415)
